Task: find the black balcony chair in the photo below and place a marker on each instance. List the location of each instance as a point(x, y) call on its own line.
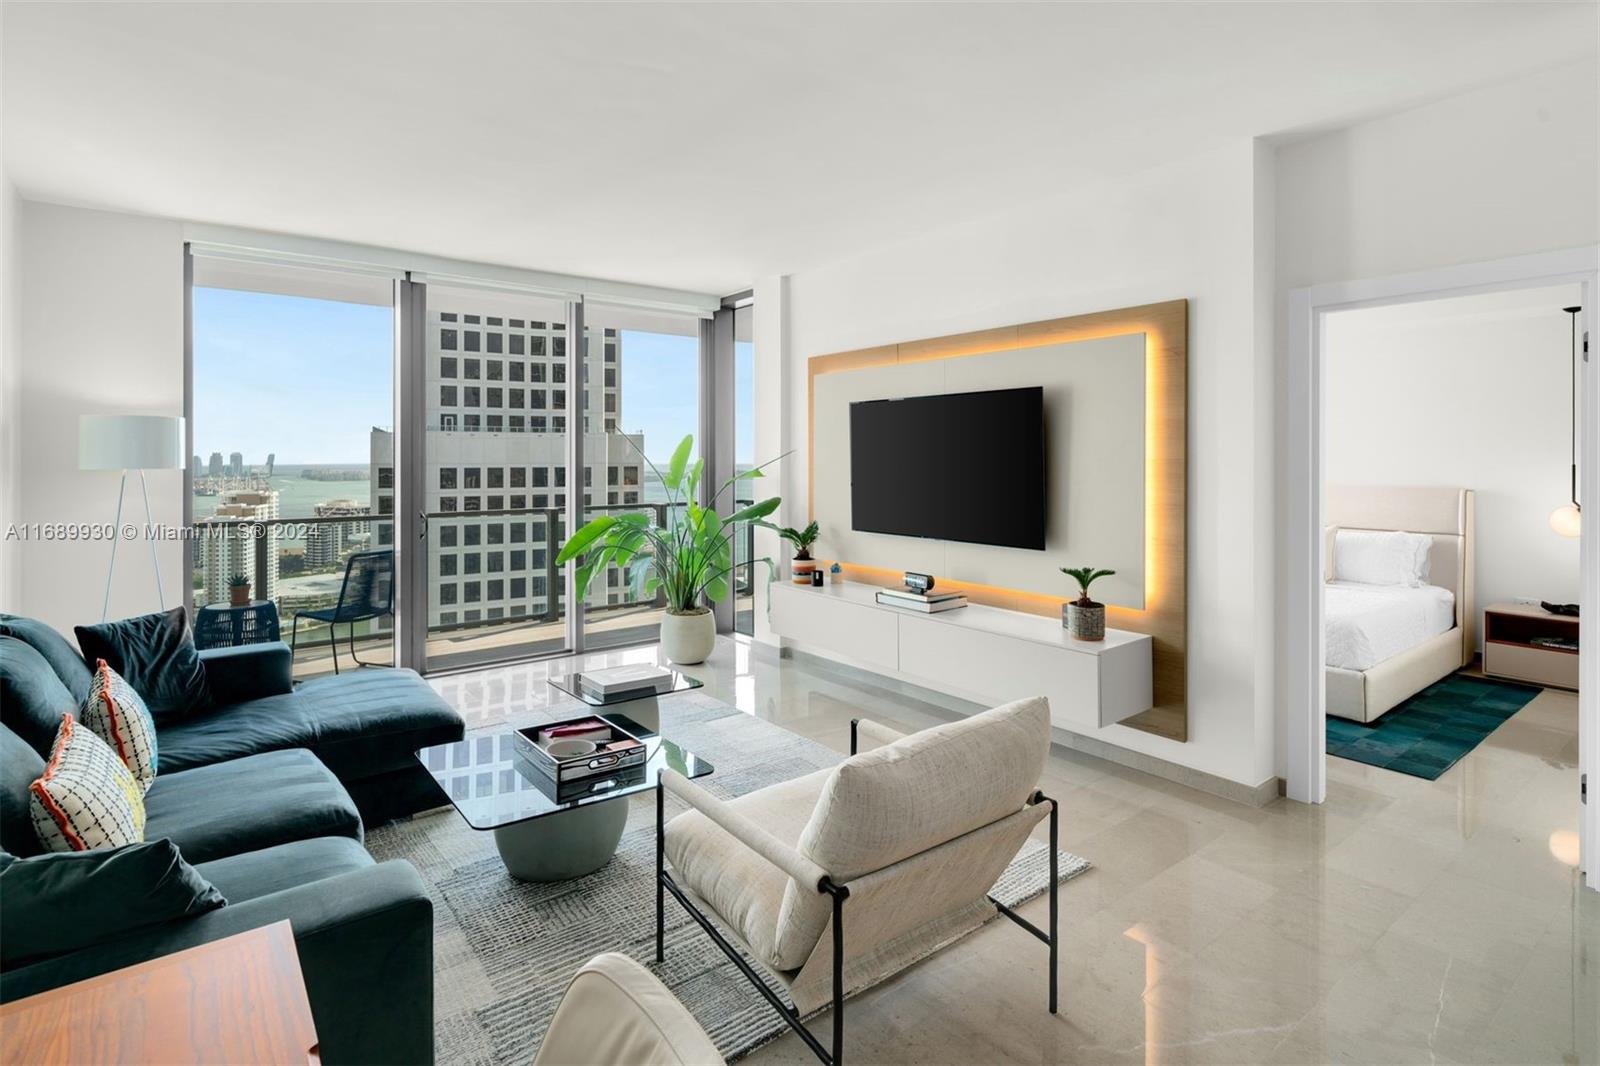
point(367, 592)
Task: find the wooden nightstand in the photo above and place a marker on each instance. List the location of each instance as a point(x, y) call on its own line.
point(1512, 648)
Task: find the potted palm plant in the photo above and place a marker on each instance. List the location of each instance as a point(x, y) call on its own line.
point(802, 565)
point(238, 591)
point(1084, 618)
point(688, 560)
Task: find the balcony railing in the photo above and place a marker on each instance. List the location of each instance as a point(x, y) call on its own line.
point(517, 632)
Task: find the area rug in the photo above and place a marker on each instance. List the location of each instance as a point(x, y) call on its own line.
point(1431, 731)
point(505, 950)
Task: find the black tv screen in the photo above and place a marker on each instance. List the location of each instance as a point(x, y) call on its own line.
point(964, 466)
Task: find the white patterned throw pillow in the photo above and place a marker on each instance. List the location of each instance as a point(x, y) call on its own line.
point(119, 717)
point(86, 798)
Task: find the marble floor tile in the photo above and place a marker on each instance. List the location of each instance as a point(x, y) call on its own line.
point(1402, 921)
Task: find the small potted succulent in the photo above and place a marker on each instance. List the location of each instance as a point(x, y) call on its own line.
point(239, 591)
point(1084, 618)
point(802, 565)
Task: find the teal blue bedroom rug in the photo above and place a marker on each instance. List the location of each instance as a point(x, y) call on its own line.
point(1431, 731)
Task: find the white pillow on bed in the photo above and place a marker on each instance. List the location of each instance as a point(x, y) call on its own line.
point(1381, 557)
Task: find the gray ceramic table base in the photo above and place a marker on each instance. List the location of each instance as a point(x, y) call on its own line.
point(563, 846)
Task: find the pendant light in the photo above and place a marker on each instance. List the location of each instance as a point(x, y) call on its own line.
point(1567, 520)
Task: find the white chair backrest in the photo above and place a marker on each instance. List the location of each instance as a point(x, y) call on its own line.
point(926, 789)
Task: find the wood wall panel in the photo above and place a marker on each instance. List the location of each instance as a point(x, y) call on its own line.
point(1165, 614)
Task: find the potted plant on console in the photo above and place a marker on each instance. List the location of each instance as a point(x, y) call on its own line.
point(802, 565)
point(238, 591)
point(1084, 618)
point(688, 559)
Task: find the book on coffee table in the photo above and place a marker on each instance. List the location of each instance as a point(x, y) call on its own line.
point(616, 680)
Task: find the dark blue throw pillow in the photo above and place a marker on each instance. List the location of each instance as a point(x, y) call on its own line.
point(69, 900)
point(154, 653)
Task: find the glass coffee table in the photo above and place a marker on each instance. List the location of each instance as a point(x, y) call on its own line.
point(540, 839)
point(643, 704)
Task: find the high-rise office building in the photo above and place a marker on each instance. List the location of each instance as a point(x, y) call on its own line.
point(195, 468)
point(215, 466)
point(272, 459)
point(499, 408)
point(229, 551)
point(328, 543)
point(236, 465)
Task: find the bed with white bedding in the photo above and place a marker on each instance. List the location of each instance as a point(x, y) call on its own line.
point(1368, 624)
point(1406, 620)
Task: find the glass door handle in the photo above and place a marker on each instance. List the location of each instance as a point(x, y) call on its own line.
point(422, 530)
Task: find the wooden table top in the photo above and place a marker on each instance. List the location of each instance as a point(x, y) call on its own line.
point(236, 1000)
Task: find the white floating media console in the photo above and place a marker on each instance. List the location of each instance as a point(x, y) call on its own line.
point(978, 653)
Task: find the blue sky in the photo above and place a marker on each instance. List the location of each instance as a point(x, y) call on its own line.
point(308, 379)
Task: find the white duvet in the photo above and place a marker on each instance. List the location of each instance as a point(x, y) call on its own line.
point(1366, 624)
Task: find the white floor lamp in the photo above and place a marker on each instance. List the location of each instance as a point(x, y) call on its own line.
point(130, 442)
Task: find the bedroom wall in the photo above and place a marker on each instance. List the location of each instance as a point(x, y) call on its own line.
point(1472, 392)
point(102, 329)
point(1187, 229)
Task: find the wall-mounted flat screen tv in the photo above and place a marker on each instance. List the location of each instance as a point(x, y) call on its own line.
point(965, 466)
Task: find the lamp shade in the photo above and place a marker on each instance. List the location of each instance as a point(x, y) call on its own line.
point(130, 442)
point(1567, 521)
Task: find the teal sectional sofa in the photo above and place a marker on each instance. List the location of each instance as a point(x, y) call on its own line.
point(265, 795)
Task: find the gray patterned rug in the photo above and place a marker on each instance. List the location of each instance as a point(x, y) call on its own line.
point(504, 950)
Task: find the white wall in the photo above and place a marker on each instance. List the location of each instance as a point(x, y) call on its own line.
point(1472, 392)
point(10, 390)
point(1501, 171)
point(1184, 230)
point(101, 332)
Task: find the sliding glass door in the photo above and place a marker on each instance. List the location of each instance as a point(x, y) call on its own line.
point(500, 406)
point(642, 382)
point(520, 415)
point(293, 389)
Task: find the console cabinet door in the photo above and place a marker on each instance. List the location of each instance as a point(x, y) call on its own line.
point(998, 669)
point(854, 630)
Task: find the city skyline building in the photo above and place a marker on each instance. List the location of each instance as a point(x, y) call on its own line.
point(230, 551)
point(498, 411)
point(214, 468)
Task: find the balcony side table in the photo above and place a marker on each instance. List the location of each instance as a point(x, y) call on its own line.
point(222, 625)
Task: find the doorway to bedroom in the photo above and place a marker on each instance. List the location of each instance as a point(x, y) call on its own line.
point(1450, 551)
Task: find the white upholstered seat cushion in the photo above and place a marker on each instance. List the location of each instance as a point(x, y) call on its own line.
point(745, 890)
point(616, 1013)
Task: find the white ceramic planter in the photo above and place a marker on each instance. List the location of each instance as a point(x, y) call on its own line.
point(688, 638)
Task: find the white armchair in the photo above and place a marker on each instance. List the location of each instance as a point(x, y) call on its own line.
point(615, 1013)
point(899, 846)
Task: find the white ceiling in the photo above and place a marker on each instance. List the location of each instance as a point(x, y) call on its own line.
point(692, 145)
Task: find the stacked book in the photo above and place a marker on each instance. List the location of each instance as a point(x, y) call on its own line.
point(622, 680)
point(926, 602)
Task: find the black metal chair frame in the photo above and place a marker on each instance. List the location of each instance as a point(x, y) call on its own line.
point(838, 894)
point(333, 645)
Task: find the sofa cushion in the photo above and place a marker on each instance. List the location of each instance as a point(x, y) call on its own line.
point(157, 656)
point(64, 659)
point(253, 874)
point(86, 798)
point(119, 717)
point(250, 803)
point(360, 724)
point(20, 766)
point(32, 698)
point(744, 889)
point(100, 894)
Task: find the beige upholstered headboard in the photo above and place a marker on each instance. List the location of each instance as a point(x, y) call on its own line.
point(1443, 513)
